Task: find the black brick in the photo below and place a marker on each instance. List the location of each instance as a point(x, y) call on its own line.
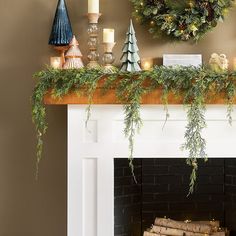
point(231, 189)
point(155, 207)
point(169, 179)
point(148, 179)
point(132, 189)
point(155, 170)
point(170, 161)
point(228, 179)
point(211, 189)
point(121, 181)
point(179, 188)
point(230, 162)
point(217, 179)
point(212, 162)
point(183, 169)
point(230, 170)
point(211, 170)
point(119, 172)
point(160, 188)
point(118, 191)
point(148, 162)
point(124, 200)
point(181, 206)
point(119, 230)
point(137, 171)
point(148, 197)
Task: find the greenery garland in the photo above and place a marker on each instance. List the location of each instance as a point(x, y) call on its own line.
point(181, 19)
point(193, 84)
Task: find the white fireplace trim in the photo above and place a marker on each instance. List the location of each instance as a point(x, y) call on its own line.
point(91, 152)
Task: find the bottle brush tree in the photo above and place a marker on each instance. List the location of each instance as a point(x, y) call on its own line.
point(130, 58)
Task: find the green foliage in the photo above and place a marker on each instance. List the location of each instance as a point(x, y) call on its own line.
point(61, 82)
point(195, 85)
point(181, 20)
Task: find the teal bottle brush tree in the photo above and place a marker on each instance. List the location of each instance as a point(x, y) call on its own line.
point(130, 58)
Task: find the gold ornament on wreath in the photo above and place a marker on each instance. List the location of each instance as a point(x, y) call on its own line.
point(181, 20)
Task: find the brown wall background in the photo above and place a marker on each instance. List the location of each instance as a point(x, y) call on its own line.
point(29, 208)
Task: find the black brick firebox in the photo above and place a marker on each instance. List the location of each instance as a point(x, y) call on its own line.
point(162, 188)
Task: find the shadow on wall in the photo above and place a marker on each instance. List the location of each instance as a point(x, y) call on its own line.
point(28, 207)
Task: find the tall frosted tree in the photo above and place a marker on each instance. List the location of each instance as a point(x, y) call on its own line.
point(61, 33)
point(130, 58)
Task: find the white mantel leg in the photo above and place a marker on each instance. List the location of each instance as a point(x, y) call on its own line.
point(91, 153)
point(90, 176)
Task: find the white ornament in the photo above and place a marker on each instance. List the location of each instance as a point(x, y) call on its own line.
point(218, 62)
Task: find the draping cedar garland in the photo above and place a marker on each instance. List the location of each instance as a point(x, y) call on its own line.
point(181, 19)
point(193, 84)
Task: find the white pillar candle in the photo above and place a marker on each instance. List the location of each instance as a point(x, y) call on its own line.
point(108, 35)
point(93, 6)
point(56, 62)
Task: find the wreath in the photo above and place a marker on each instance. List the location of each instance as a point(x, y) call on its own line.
point(181, 19)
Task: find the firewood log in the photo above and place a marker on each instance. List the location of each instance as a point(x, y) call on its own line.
point(190, 227)
point(173, 231)
point(214, 224)
point(222, 233)
point(147, 233)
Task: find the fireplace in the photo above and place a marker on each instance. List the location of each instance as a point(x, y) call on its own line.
point(99, 185)
point(161, 191)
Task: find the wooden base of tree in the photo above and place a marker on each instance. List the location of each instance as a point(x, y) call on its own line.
point(62, 50)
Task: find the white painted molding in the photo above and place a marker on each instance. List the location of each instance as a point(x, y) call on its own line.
point(91, 152)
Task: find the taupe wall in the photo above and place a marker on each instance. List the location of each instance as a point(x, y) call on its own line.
point(29, 208)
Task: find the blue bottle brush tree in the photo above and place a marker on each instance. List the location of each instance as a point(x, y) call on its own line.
point(61, 33)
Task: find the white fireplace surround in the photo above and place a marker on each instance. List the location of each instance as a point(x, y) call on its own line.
point(91, 152)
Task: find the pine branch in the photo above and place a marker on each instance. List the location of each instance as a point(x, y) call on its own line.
point(193, 84)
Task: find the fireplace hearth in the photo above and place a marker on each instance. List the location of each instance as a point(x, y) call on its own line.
point(162, 189)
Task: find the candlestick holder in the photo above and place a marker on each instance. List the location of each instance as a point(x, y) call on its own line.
point(108, 58)
point(62, 50)
point(56, 62)
point(93, 32)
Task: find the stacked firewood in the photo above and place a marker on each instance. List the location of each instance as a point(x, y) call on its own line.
point(164, 227)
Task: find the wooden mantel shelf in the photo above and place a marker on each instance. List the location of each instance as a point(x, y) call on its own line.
point(153, 98)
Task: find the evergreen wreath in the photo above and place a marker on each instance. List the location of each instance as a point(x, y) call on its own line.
point(181, 19)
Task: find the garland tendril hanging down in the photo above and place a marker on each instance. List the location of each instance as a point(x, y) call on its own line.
point(181, 19)
point(195, 85)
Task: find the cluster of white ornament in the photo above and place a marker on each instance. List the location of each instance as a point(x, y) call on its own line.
point(219, 62)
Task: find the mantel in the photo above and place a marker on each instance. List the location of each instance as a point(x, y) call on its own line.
point(153, 98)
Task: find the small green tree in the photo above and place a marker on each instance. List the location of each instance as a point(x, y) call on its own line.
point(130, 58)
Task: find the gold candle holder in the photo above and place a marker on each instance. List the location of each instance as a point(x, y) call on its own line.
point(108, 58)
point(56, 62)
point(93, 17)
point(93, 42)
point(62, 50)
point(147, 63)
point(234, 63)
